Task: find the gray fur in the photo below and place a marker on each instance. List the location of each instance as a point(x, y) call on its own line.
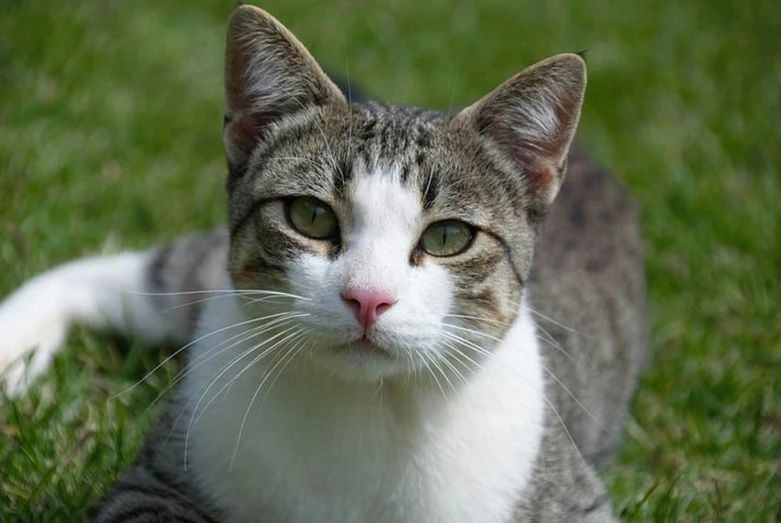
point(587, 273)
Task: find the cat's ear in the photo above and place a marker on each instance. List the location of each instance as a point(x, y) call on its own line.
point(530, 121)
point(269, 74)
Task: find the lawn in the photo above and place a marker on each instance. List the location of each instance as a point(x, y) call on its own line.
point(110, 124)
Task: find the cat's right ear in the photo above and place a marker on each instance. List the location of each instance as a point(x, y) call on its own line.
point(530, 120)
point(269, 74)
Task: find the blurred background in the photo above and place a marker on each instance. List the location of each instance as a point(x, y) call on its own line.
point(110, 137)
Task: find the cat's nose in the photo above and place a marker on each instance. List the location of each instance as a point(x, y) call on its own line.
point(368, 305)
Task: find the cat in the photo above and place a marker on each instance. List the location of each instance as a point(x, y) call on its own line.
point(409, 318)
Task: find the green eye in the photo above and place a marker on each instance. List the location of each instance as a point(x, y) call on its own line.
point(447, 238)
point(312, 218)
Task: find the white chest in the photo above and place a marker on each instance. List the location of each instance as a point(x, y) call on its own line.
point(314, 450)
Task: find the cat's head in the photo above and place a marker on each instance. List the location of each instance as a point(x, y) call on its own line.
point(407, 235)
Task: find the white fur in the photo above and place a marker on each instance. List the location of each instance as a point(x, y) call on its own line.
point(343, 438)
point(318, 448)
point(100, 293)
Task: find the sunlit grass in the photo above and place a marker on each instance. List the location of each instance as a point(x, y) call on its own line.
point(110, 116)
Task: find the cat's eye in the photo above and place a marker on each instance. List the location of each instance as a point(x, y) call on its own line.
point(447, 238)
point(312, 218)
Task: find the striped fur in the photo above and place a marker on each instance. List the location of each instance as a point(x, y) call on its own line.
point(154, 489)
point(528, 420)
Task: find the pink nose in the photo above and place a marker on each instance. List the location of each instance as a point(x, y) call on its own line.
point(368, 305)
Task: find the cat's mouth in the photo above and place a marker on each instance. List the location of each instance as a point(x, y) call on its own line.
point(364, 345)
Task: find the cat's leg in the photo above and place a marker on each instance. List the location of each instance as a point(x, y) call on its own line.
point(151, 296)
point(157, 487)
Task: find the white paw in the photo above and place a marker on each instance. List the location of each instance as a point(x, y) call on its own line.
point(33, 327)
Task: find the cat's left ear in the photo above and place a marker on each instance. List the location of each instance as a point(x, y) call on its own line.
point(269, 75)
point(530, 121)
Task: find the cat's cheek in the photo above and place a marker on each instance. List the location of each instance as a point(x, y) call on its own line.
point(415, 322)
point(314, 280)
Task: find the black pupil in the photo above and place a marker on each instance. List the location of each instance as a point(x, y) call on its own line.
point(448, 231)
point(317, 211)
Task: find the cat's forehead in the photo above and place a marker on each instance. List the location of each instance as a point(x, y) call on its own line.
point(327, 153)
point(408, 138)
point(379, 200)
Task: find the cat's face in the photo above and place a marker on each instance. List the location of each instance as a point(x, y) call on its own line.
point(391, 228)
point(403, 236)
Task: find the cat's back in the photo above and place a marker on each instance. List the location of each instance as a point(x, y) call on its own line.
point(588, 289)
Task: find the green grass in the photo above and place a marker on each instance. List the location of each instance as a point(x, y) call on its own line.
point(110, 116)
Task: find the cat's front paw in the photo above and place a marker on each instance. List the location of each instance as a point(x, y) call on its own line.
point(32, 329)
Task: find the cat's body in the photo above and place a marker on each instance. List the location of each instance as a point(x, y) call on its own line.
point(470, 388)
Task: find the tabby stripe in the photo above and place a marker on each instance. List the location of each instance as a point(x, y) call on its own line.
point(430, 190)
point(248, 214)
point(152, 490)
point(137, 510)
point(148, 499)
point(138, 513)
point(508, 252)
point(164, 479)
point(343, 174)
point(177, 488)
point(156, 268)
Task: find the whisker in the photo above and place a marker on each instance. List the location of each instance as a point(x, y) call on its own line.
point(249, 334)
point(467, 344)
point(216, 291)
point(278, 319)
point(472, 331)
point(431, 372)
point(212, 353)
point(486, 320)
point(541, 315)
point(193, 418)
point(571, 395)
point(459, 354)
point(293, 351)
point(240, 357)
point(190, 344)
point(558, 347)
point(192, 366)
point(457, 373)
point(203, 300)
point(566, 430)
point(244, 296)
point(437, 359)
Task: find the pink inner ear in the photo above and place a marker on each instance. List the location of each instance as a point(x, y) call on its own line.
point(531, 118)
point(541, 175)
point(539, 154)
point(268, 74)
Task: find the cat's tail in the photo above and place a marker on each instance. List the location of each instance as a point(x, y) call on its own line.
point(152, 296)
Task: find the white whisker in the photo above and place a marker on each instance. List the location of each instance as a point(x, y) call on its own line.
point(472, 331)
point(293, 352)
point(193, 418)
point(571, 395)
point(455, 371)
point(478, 318)
point(427, 365)
point(212, 353)
point(566, 430)
point(458, 354)
point(467, 344)
point(541, 315)
point(184, 347)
